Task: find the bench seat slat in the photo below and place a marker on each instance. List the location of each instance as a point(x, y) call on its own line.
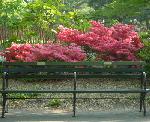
point(77, 91)
point(75, 63)
point(64, 69)
point(53, 63)
point(78, 76)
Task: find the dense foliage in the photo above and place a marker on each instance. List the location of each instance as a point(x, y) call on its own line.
point(43, 52)
point(37, 21)
point(123, 11)
point(119, 42)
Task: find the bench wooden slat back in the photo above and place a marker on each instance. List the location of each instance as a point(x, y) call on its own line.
point(60, 69)
point(76, 63)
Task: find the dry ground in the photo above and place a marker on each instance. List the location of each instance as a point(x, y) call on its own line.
point(120, 101)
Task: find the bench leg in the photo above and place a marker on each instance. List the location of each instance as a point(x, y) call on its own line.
point(3, 105)
point(141, 102)
point(6, 104)
point(74, 105)
point(144, 105)
point(74, 95)
point(4, 95)
point(144, 95)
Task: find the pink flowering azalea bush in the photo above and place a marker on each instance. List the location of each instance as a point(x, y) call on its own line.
point(43, 52)
point(119, 42)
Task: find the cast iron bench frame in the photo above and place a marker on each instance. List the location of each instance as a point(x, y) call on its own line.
point(63, 70)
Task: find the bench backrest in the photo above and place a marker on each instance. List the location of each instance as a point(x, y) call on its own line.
point(66, 69)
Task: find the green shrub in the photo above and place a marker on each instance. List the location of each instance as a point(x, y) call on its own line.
point(144, 54)
point(145, 35)
point(54, 103)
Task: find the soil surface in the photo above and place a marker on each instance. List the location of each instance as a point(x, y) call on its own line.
point(122, 105)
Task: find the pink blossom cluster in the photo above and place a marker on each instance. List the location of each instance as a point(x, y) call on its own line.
point(119, 42)
point(43, 52)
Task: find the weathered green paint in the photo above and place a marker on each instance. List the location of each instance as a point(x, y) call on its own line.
point(85, 76)
point(78, 63)
point(76, 91)
point(75, 70)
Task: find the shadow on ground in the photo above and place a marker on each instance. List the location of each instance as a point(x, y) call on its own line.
point(111, 116)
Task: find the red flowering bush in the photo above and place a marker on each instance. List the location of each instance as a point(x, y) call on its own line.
point(43, 52)
point(119, 42)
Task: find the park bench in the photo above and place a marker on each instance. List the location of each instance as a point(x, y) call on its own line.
point(76, 70)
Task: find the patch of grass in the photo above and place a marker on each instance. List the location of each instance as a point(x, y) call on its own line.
point(54, 103)
point(23, 95)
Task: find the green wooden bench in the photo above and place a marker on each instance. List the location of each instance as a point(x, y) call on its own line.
point(62, 70)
